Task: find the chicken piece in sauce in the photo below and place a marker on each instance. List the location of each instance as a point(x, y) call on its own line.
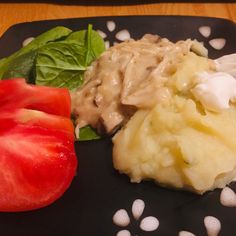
point(128, 76)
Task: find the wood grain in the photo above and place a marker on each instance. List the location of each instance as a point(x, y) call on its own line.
point(12, 13)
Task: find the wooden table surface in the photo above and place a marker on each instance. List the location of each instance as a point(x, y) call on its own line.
point(12, 13)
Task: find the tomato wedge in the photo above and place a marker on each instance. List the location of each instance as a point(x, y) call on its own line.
point(16, 93)
point(37, 166)
point(37, 156)
point(37, 118)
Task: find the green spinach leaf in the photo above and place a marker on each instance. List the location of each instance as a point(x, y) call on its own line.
point(60, 64)
point(91, 40)
point(22, 66)
point(88, 133)
point(49, 36)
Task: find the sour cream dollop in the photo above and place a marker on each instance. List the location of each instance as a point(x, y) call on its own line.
point(215, 90)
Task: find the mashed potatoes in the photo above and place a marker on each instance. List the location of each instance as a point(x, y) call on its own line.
point(178, 143)
point(178, 146)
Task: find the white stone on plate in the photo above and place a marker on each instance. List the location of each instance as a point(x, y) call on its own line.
point(228, 197)
point(123, 35)
point(137, 208)
point(107, 44)
point(218, 43)
point(102, 34)
point(205, 31)
point(123, 233)
point(121, 218)
point(149, 223)
point(111, 25)
point(27, 41)
point(213, 225)
point(186, 233)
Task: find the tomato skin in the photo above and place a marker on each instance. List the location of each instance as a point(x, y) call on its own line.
point(16, 93)
point(37, 156)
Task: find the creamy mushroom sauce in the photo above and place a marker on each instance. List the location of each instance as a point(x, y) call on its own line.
point(127, 77)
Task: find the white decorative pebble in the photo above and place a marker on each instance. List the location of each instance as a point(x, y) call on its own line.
point(205, 31)
point(123, 35)
point(102, 34)
point(186, 233)
point(123, 233)
point(111, 25)
point(27, 41)
point(213, 225)
point(228, 197)
point(107, 44)
point(137, 208)
point(218, 43)
point(149, 223)
point(121, 218)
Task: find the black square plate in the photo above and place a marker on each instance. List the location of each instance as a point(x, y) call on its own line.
point(98, 191)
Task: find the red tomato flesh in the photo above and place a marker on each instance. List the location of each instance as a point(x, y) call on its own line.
point(37, 166)
point(16, 93)
point(38, 118)
point(37, 156)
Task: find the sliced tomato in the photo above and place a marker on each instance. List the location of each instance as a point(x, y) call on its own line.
point(37, 118)
point(37, 156)
point(16, 93)
point(37, 166)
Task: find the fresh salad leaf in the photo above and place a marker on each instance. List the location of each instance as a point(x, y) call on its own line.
point(22, 67)
point(49, 36)
point(88, 133)
point(91, 40)
point(60, 64)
